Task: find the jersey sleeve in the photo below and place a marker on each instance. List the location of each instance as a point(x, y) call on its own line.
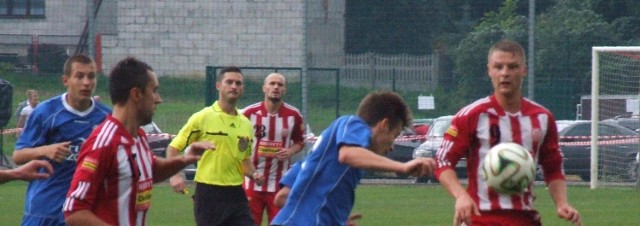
point(88, 179)
point(33, 131)
point(550, 157)
point(298, 133)
point(353, 132)
point(455, 144)
point(187, 134)
point(290, 176)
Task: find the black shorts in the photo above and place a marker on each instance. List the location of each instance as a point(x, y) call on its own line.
point(221, 205)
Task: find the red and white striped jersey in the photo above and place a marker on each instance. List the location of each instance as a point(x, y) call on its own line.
point(113, 177)
point(481, 125)
point(272, 132)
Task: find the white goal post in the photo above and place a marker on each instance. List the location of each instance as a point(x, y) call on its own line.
point(615, 94)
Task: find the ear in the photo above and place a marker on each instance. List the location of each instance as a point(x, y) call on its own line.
point(135, 94)
point(382, 124)
point(218, 85)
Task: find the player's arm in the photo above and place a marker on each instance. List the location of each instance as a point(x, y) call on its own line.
point(88, 179)
point(249, 171)
point(55, 152)
point(83, 218)
point(558, 192)
point(281, 197)
point(29, 171)
point(362, 158)
point(21, 121)
point(166, 168)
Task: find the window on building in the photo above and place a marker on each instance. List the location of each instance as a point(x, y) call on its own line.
point(21, 8)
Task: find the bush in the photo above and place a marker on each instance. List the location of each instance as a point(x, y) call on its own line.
point(50, 58)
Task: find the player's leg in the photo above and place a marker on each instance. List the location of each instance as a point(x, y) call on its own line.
point(272, 209)
point(256, 205)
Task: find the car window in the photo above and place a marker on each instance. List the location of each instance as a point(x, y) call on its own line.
point(579, 130)
point(439, 127)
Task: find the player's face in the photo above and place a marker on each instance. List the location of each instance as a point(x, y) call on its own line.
point(81, 84)
point(274, 88)
point(382, 138)
point(231, 86)
point(150, 98)
point(33, 99)
point(507, 71)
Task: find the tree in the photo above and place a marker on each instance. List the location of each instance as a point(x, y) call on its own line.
point(470, 56)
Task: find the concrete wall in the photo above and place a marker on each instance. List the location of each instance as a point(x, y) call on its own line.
point(180, 38)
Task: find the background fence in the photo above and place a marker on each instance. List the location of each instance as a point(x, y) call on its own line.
point(433, 47)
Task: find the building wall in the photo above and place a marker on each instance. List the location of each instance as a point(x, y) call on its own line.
point(180, 38)
point(63, 19)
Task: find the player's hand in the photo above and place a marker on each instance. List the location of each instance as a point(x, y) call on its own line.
point(284, 154)
point(57, 152)
point(177, 183)
point(421, 167)
point(465, 208)
point(258, 178)
point(196, 149)
point(352, 219)
point(30, 170)
point(570, 214)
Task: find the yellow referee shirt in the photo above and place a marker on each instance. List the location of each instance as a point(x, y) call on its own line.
point(231, 134)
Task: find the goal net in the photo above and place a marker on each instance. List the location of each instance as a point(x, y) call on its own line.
point(615, 97)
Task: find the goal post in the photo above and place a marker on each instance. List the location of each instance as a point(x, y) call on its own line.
point(615, 97)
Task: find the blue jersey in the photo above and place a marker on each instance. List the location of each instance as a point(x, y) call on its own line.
point(54, 121)
point(291, 174)
point(324, 190)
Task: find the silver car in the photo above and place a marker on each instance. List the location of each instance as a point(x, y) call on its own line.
point(428, 149)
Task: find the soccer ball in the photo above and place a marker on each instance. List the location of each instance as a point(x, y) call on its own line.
point(508, 168)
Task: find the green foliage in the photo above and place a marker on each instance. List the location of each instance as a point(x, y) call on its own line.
point(470, 56)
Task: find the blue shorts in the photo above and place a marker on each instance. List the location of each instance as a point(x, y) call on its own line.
point(30, 220)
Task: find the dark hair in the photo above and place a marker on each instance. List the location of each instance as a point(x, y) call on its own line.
point(384, 104)
point(228, 69)
point(83, 59)
point(508, 46)
point(129, 73)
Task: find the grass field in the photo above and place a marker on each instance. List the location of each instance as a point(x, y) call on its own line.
point(386, 205)
point(380, 204)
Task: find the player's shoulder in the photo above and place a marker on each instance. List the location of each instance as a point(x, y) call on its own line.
point(252, 108)
point(475, 108)
point(292, 109)
point(530, 107)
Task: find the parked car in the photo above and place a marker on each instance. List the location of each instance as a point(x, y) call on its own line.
point(618, 149)
point(158, 143)
point(631, 122)
point(434, 139)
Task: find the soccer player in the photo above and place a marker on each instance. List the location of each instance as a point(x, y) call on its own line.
point(33, 170)
point(28, 109)
point(219, 196)
point(324, 190)
point(55, 131)
point(278, 135)
point(116, 170)
point(285, 187)
point(505, 116)
point(23, 104)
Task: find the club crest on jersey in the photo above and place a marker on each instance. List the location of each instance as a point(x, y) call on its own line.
point(243, 143)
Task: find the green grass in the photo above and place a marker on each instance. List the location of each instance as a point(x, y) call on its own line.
point(386, 205)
